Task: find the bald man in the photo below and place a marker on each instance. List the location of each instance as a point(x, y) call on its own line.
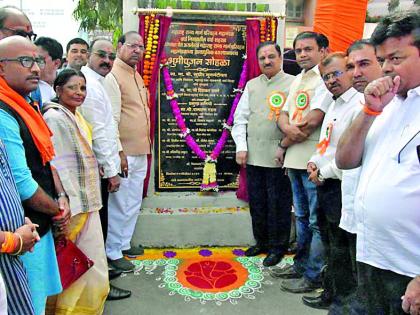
point(15, 22)
point(28, 144)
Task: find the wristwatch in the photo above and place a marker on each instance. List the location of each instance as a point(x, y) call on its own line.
point(281, 146)
point(62, 194)
point(319, 176)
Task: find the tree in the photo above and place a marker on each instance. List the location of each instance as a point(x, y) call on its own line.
point(99, 14)
point(416, 2)
point(393, 5)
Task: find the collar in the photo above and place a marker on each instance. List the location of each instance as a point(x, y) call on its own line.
point(347, 95)
point(279, 75)
point(416, 90)
point(90, 72)
point(314, 70)
point(119, 63)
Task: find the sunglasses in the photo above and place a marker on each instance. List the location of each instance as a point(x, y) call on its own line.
point(30, 35)
point(27, 62)
point(103, 54)
point(332, 75)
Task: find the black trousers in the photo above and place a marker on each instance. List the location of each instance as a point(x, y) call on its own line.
point(103, 214)
point(270, 203)
point(341, 279)
point(381, 289)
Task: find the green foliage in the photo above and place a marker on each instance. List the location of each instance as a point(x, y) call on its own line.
point(393, 5)
point(416, 2)
point(99, 14)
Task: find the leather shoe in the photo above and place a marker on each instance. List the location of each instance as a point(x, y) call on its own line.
point(284, 272)
point(300, 285)
point(117, 293)
point(272, 259)
point(255, 251)
point(318, 302)
point(113, 273)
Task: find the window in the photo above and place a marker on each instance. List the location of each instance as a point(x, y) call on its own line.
point(294, 9)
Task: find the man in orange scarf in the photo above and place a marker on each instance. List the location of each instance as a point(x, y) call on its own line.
point(28, 144)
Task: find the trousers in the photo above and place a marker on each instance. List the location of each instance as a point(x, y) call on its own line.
point(124, 207)
point(270, 203)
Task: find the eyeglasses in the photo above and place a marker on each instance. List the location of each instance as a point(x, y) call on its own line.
point(30, 35)
point(27, 62)
point(332, 75)
point(135, 46)
point(103, 54)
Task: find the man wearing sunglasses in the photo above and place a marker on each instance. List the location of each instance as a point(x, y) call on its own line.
point(15, 22)
point(97, 110)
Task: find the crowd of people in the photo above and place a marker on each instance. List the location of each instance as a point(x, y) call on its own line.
point(344, 151)
point(348, 139)
point(71, 138)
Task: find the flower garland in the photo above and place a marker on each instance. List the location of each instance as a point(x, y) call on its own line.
point(151, 25)
point(209, 171)
point(268, 28)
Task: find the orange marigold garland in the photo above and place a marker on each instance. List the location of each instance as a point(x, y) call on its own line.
point(268, 28)
point(152, 25)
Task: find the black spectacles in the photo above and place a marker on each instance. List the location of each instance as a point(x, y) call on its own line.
point(103, 54)
point(332, 75)
point(30, 35)
point(27, 62)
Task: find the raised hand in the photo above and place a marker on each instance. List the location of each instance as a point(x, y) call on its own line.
point(380, 92)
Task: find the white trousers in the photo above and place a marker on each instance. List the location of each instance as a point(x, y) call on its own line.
point(124, 207)
point(3, 298)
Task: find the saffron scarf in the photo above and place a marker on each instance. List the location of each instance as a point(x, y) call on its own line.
point(39, 130)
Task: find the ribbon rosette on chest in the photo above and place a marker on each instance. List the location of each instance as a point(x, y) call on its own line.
point(276, 102)
point(323, 145)
point(301, 103)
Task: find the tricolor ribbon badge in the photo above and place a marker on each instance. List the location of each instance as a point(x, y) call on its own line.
point(301, 103)
point(323, 145)
point(276, 102)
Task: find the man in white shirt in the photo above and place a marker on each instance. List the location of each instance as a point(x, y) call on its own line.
point(256, 136)
point(52, 51)
point(77, 53)
point(324, 173)
point(96, 109)
point(384, 140)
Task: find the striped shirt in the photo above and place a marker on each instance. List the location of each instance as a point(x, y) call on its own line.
point(11, 218)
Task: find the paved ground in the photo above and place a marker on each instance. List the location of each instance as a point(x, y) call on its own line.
point(150, 299)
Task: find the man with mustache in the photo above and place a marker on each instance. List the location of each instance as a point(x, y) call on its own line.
point(97, 110)
point(301, 120)
point(256, 136)
point(77, 53)
point(28, 143)
point(327, 177)
point(384, 140)
point(363, 64)
point(129, 100)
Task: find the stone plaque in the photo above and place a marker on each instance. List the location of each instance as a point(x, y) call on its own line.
point(205, 61)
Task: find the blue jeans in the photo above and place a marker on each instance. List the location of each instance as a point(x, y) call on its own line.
point(309, 258)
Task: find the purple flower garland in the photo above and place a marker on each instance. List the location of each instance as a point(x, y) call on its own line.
point(185, 132)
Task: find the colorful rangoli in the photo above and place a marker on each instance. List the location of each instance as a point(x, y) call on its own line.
point(217, 274)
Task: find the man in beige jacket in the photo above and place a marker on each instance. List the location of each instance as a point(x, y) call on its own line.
point(130, 109)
